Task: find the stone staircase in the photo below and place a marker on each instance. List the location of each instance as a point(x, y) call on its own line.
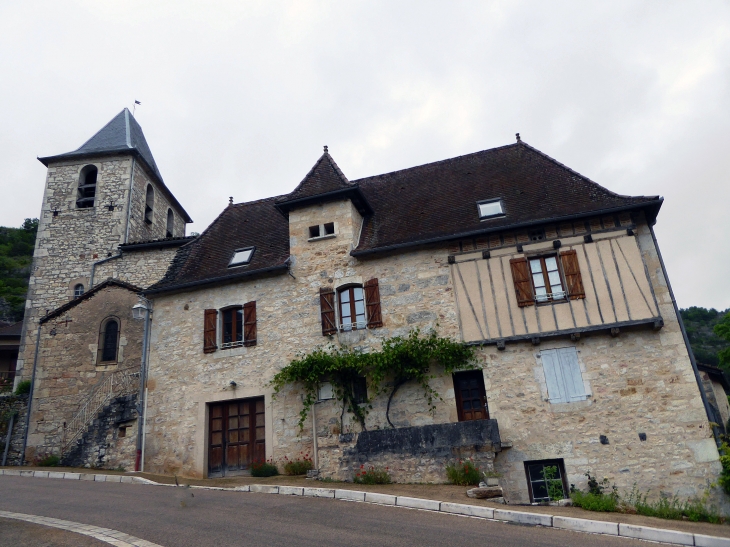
point(117, 384)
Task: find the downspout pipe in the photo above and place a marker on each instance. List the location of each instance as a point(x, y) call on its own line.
point(93, 268)
point(141, 399)
point(698, 379)
point(30, 395)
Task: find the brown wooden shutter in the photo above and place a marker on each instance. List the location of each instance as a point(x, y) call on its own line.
point(209, 331)
point(249, 323)
point(372, 303)
point(523, 282)
point(573, 279)
point(327, 306)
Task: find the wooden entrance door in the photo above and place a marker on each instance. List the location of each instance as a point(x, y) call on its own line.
point(471, 397)
point(237, 436)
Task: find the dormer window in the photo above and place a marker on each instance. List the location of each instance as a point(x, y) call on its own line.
point(490, 208)
point(241, 257)
point(322, 231)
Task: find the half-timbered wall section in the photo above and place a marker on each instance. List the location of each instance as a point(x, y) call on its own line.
point(610, 271)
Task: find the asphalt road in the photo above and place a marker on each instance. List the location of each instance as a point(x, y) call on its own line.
point(173, 517)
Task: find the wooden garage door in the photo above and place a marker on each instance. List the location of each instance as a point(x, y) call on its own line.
point(237, 436)
point(471, 397)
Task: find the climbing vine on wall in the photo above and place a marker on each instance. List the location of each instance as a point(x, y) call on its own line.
point(401, 360)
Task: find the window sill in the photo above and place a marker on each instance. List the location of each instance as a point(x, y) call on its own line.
point(107, 367)
point(320, 238)
point(231, 345)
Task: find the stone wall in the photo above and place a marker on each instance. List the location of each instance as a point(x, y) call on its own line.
point(68, 365)
point(139, 230)
point(17, 405)
point(638, 382)
point(141, 268)
point(110, 442)
point(410, 454)
point(415, 291)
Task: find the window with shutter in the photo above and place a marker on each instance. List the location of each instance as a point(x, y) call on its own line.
point(573, 279)
point(562, 375)
point(249, 323)
point(352, 308)
point(372, 300)
point(209, 331)
point(327, 308)
point(523, 284)
point(232, 323)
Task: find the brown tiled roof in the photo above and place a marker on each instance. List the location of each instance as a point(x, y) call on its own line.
point(324, 177)
point(155, 243)
point(205, 260)
point(324, 181)
point(76, 301)
point(12, 331)
point(438, 201)
point(432, 202)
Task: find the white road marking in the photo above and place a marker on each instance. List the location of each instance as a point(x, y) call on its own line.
point(112, 537)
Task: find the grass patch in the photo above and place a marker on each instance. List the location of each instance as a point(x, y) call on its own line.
point(600, 497)
point(373, 475)
point(264, 469)
point(464, 473)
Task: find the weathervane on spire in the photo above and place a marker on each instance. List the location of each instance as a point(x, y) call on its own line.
point(134, 108)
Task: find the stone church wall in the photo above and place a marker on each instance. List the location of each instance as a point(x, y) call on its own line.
point(68, 366)
point(139, 230)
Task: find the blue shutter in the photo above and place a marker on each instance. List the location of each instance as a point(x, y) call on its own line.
point(553, 376)
point(571, 374)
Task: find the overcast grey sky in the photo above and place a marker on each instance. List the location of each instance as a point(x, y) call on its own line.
point(238, 98)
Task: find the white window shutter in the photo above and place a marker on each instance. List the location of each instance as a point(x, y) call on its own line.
point(572, 377)
point(553, 376)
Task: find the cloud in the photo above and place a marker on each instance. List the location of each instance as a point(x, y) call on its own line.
point(238, 98)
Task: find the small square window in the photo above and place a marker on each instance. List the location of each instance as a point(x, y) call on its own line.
point(313, 231)
point(329, 228)
point(122, 431)
point(490, 208)
point(241, 257)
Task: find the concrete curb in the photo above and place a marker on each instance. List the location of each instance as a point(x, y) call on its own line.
point(661, 535)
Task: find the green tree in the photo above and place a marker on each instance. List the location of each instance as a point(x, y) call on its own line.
point(722, 329)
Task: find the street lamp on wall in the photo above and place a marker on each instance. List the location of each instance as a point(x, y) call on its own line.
point(139, 310)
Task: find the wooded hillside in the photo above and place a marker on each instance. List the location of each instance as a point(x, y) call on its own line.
point(16, 255)
point(699, 323)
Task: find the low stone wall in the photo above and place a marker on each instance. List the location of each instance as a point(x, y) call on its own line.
point(104, 445)
point(18, 405)
point(411, 454)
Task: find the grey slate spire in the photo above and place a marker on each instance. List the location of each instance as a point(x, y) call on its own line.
point(121, 134)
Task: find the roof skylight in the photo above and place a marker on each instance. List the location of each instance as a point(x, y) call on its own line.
point(241, 257)
point(490, 208)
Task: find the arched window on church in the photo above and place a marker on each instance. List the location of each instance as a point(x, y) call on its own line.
point(108, 341)
point(78, 290)
point(170, 224)
point(149, 204)
point(87, 187)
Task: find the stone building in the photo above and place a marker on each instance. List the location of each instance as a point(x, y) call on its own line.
point(106, 215)
point(582, 360)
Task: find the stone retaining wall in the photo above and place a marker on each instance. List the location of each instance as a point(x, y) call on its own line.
point(104, 445)
point(19, 405)
point(410, 454)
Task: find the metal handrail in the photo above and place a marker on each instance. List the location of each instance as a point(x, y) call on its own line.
point(114, 385)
